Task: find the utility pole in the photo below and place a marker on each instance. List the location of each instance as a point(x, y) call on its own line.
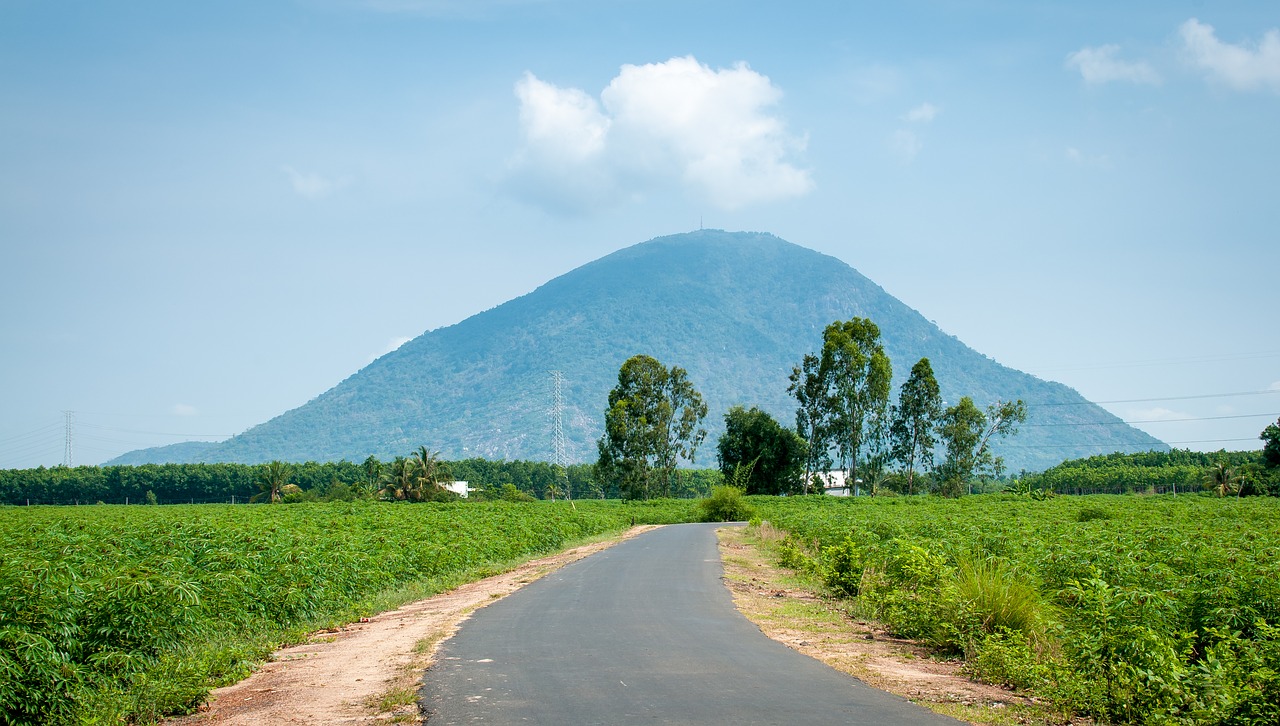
point(558, 457)
point(67, 459)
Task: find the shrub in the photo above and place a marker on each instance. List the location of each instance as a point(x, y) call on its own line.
point(726, 504)
point(1005, 658)
point(1089, 514)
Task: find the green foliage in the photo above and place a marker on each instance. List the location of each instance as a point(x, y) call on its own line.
point(961, 430)
point(856, 373)
point(913, 421)
point(726, 504)
point(509, 493)
point(1123, 609)
point(775, 455)
point(1223, 480)
point(654, 419)
point(126, 613)
point(1091, 514)
point(1271, 445)
point(1155, 472)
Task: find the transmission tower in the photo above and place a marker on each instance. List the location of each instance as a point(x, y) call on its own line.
point(558, 457)
point(67, 459)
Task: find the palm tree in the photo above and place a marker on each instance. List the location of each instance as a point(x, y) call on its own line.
point(271, 479)
point(431, 474)
point(1222, 479)
point(397, 480)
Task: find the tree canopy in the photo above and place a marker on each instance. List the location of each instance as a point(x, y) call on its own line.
point(913, 422)
point(654, 420)
point(773, 455)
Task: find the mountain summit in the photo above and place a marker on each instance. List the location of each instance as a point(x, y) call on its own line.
point(737, 310)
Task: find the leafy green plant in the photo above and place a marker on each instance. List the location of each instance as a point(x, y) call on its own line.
point(726, 504)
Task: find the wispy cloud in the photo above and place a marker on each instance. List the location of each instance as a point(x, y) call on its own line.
point(1274, 386)
point(708, 130)
point(924, 113)
point(183, 409)
point(1101, 65)
point(1243, 67)
point(311, 185)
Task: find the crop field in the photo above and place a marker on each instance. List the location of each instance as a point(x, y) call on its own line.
point(111, 614)
point(1124, 608)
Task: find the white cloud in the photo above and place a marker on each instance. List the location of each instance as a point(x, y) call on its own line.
point(680, 121)
point(183, 409)
point(1100, 65)
point(1274, 386)
point(924, 113)
point(311, 186)
point(1239, 66)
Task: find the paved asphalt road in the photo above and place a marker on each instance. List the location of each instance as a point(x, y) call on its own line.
point(643, 632)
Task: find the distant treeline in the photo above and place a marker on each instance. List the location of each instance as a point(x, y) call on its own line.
point(236, 483)
point(1156, 472)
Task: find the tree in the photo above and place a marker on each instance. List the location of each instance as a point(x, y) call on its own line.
point(858, 376)
point(654, 420)
point(960, 429)
point(1271, 446)
point(272, 478)
point(430, 474)
point(914, 420)
point(809, 387)
point(1222, 479)
point(966, 434)
point(774, 455)
point(1003, 418)
point(371, 471)
point(398, 480)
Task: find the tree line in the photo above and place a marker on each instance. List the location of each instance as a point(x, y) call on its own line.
point(844, 420)
point(400, 479)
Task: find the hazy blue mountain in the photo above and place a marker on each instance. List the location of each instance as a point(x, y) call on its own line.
point(737, 310)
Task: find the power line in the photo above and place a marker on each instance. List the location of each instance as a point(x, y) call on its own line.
point(1162, 398)
point(150, 433)
point(1147, 421)
point(1165, 361)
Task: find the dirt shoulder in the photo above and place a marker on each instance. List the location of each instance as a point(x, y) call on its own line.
point(368, 672)
point(791, 612)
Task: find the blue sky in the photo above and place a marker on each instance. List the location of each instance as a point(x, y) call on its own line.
point(211, 213)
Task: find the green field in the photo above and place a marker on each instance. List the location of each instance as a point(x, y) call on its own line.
point(112, 613)
point(1128, 609)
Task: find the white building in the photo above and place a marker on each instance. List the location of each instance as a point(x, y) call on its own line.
point(458, 487)
point(836, 483)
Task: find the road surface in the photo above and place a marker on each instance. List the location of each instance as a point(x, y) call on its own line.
point(643, 632)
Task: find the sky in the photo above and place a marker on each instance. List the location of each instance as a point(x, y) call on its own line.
point(211, 213)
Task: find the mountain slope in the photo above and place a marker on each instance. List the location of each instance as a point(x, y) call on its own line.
point(737, 310)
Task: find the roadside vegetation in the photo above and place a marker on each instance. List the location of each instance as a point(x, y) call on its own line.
point(116, 614)
point(1126, 609)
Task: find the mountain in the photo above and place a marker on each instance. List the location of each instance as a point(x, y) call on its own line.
point(737, 310)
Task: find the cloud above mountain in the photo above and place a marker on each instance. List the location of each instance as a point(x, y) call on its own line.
point(1102, 65)
point(1239, 66)
point(712, 132)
